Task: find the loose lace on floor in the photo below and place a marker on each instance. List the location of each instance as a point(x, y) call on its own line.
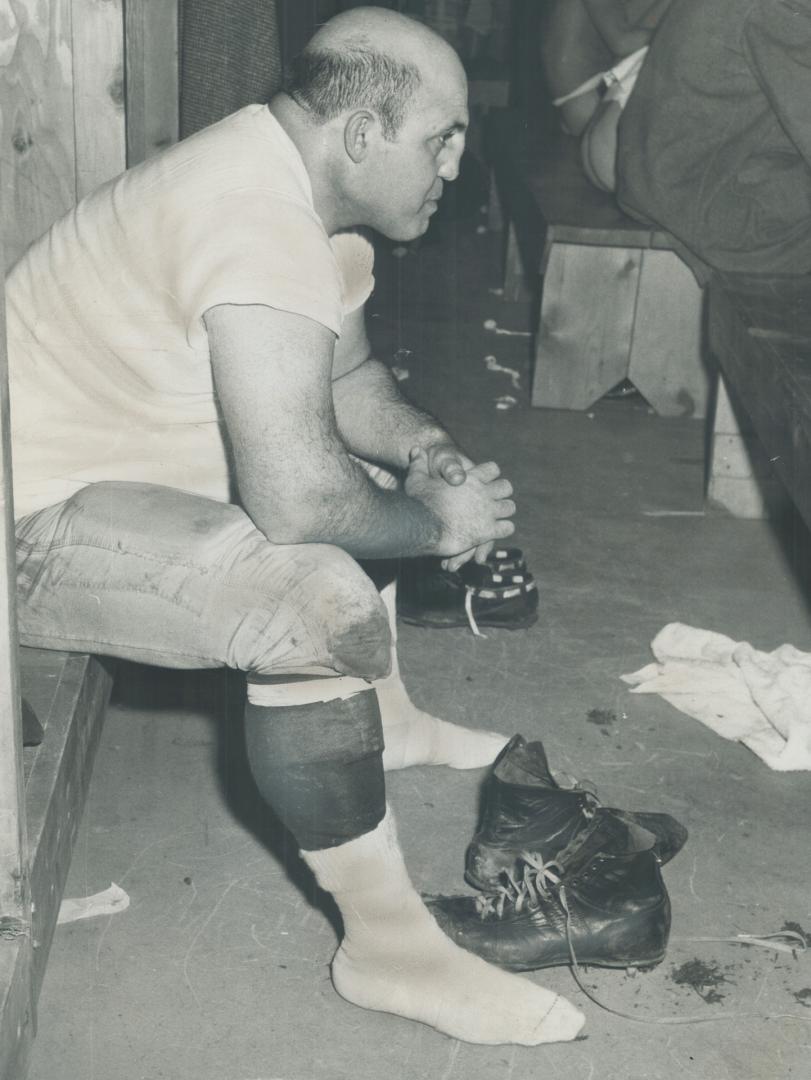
point(542, 881)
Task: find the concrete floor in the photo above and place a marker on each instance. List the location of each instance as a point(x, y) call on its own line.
point(218, 970)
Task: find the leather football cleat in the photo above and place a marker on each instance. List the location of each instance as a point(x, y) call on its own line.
point(592, 905)
point(525, 809)
point(500, 593)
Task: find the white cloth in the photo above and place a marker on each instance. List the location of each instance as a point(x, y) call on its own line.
point(108, 902)
point(109, 368)
point(760, 699)
point(619, 80)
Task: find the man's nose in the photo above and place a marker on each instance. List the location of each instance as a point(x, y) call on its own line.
point(449, 166)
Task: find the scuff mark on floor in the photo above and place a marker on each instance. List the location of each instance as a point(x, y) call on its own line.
point(704, 978)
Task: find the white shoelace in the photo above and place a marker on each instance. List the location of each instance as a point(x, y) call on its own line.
point(470, 592)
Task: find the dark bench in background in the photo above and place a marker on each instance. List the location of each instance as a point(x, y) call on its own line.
point(617, 301)
point(760, 335)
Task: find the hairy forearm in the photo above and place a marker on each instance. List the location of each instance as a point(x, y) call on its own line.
point(374, 524)
point(339, 504)
point(376, 422)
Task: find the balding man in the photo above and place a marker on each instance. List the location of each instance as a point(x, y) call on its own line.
point(193, 400)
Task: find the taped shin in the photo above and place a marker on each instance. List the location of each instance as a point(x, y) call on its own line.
point(319, 765)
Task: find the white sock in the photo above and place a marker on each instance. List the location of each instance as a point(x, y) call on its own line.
point(414, 737)
point(394, 957)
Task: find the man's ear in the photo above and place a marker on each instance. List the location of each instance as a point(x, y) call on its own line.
point(357, 133)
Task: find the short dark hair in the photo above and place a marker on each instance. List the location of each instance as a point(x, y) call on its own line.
point(327, 83)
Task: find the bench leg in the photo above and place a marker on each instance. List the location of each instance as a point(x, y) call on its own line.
point(513, 267)
point(495, 215)
point(741, 479)
point(667, 363)
point(587, 316)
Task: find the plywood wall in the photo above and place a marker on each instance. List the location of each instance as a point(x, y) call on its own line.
point(61, 109)
point(152, 77)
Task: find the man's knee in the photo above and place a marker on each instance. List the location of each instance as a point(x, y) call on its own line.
point(340, 609)
point(356, 623)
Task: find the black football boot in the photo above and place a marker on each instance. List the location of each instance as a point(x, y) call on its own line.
point(525, 809)
point(499, 593)
point(592, 905)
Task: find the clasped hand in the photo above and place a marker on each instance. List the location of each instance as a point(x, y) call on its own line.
point(472, 502)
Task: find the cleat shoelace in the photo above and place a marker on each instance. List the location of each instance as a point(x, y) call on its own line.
point(496, 590)
point(470, 592)
point(535, 885)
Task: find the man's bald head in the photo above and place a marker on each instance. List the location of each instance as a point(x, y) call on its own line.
point(367, 58)
point(379, 28)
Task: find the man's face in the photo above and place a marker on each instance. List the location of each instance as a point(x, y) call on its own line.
point(407, 174)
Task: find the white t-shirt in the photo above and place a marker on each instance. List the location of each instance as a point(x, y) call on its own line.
point(109, 366)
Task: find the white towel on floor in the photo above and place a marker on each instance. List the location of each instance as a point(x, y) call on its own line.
point(760, 699)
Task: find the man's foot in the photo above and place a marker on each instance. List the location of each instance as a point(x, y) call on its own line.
point(414, 737)
point(394, 958)
point(412, 969)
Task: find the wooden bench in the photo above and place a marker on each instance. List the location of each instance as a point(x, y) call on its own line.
point(63, 123)
point(760, 335)
point(42, 787)
point(617, 301)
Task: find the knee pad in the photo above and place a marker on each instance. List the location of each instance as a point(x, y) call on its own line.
point(336, 606)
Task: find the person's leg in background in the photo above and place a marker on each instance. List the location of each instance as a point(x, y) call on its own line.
point(156, 575)
point(598, 146)
point(572, 54)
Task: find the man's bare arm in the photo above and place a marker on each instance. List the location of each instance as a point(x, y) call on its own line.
point(375, 420)
point(272, 373)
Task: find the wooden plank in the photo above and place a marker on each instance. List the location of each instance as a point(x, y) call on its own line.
point(13, 898)
point(495, 215)
point(57, 786)
point(595, 235)
point(98, 91)
point(71, 692)
point(151, 30)
point(17, 1014)
point(741, 478)
point(37, 173)
point(16, 1002)
point(775, 306)
point(587, 312)
point(514, 287)
point(772, 380)
point(667, 363)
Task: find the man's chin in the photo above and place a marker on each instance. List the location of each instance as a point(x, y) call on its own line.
point(402, 234)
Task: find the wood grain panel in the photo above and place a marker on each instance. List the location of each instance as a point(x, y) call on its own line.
point(56, 789)
point(151, 77)
point(757, 333)
point(667, 362)
point(37, 155)
point(587, 312)
point(98, 91)
point(16, 1001)
point(13, 902)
